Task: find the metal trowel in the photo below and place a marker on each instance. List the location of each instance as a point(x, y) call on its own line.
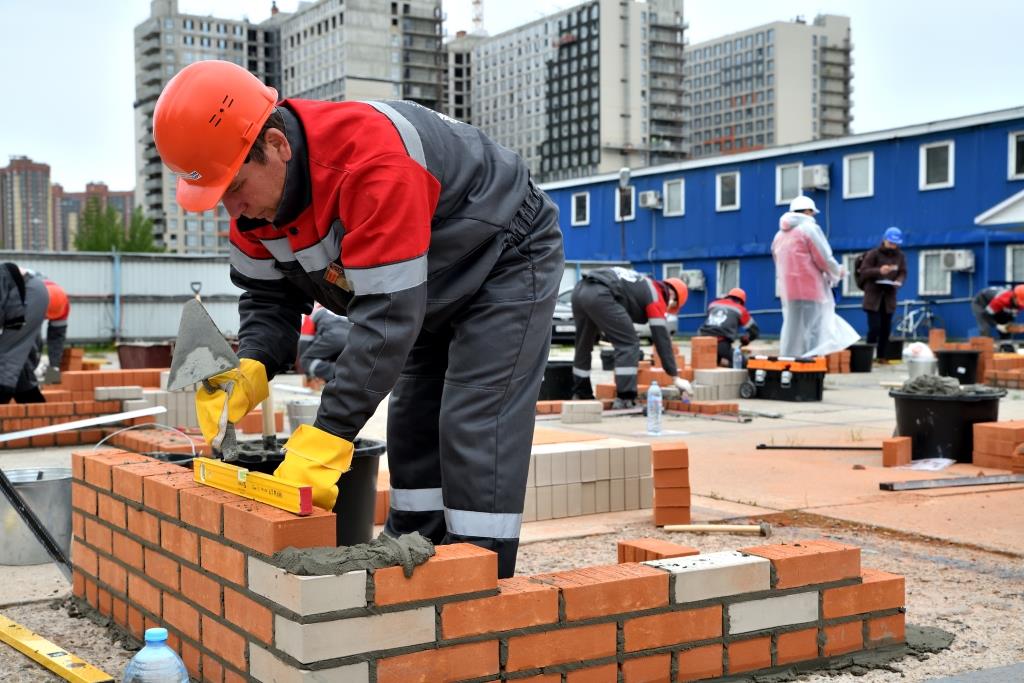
point(200, 352)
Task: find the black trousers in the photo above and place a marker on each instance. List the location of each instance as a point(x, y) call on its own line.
point(879, 327)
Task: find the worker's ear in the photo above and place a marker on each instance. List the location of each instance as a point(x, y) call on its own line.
point(278, 141)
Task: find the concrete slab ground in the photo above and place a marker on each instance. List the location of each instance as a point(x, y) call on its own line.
point(1001, 675)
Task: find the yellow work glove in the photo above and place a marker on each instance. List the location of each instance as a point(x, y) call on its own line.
point(238, 391)
point(314, 457)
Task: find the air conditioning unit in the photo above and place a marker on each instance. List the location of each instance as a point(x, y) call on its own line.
point(650, 199)
point(694, 279)
point(958, 259)
point(815, 177)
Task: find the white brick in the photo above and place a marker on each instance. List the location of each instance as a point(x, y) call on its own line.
point(137, 404)
point(716, 575)
point(644, 464)
point(603, 495)
point(603, 463)
point(307, 595)
point(164, 376)
point(530, 505)
point(558, 471)
point(786, 610)
point(267, 668)
point(631, 457)
point(543, 502)
point(632, 486)
point(575, 499)
point(646, 493)
point(573, 468)
point(531, 474)
point(589, 498)
point(117, 393)
point(330, 639)
point(617, 492)
point(543, 469)
point(616, 462)
point(588, 466)
point(582, 407)
point(559, 501)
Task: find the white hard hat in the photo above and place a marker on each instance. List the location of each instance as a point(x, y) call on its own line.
point(803, 203)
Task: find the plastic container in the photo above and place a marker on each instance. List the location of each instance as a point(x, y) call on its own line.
point(47, 492)
point(861, 357)
point(557, 384)
point(301, 411)
point(654, 408)
point(894, 349)
point(943, 426)
point(156, 662)
point(918, 367)
point(963, 365)
point(780, 379)
point(737, 358)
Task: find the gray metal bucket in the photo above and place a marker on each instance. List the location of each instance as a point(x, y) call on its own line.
point(301, 411)
point(47, 492)
point(920, 367)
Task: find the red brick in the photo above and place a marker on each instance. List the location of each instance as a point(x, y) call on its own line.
point(249, 615)
point(143, 524)
point(98, 535)
point(213, 670)
point(896, 451)
point(700, 662)
point(613, 589)
point(77, 583)
point(98, 464)
point(672, 628)
point(567, 645)
point(674, 477)
point(267, 529)
point(191, 656)
point(203, 507)
point(669, 455)
point(749, 655)
point(127, 479)
point(797, 646)
point(91, 591)
point(104, 602)
point(160, 492)
point(647, 669)
point(453, 570)
point(161, 568)
point(143, 594)
point(878, 591)
point(111, 510)
point(232, 676)
point(671, 497)
point(843, 638)
point(179, 541)
point(222, 560)
point(521, 603)
point(886, 630)
point(201, 590)
point(442, 665)
point(671, 515)
point(77, 525)
point(119, 612)
point(604, 673)
point(83, 498)
point(135, 626)
point(84, 558)
point(809, 562)
point(113, 574)
point(127, 551)
point(182, 616)
point(223, 642)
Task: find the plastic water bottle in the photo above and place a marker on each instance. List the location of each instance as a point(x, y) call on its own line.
point(654, 408)
point(156, 662)
point(737, 358)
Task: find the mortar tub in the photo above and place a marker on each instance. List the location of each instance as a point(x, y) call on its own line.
point(943, 426)
point(47, 492)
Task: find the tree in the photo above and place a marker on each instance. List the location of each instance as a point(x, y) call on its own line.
point(103, 230)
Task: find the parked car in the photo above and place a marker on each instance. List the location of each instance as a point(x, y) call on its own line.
point(563, 327)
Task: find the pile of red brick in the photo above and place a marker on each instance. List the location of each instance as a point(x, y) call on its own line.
point(702, 407)
point(72, 359)
point(996, 442)
point(671, 464)
point(81, 384)
point(838, 362)
point(16, 417)
point(1006, 370)
point(704, 352)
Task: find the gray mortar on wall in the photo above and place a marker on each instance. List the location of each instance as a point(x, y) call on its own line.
point(406, 551)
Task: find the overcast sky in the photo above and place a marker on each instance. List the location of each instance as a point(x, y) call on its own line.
point(69, 72)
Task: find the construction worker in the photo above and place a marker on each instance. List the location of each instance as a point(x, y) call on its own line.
point(880, 273)
point(608, 301)
point(995, 308)
point(730, 321)
point(330, 336)
point(23, 303)
point(806, 273)
point(435, 243)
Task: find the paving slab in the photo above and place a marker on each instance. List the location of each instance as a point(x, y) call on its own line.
point(1003, 674)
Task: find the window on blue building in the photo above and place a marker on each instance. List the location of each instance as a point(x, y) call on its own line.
point(936, 165)
point(1016, 156)
point(1015, 263)
point(727, 191)
point(581, 208)
point(787, 182)
point(850, 287)
point(625, 204)
point(674, 193)
point(933, 279)
point(858, 175)
point(728, 276)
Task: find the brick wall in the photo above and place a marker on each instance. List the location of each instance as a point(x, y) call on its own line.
point(152, 548)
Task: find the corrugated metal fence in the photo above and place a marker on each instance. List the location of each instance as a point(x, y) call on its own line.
point(127, 297)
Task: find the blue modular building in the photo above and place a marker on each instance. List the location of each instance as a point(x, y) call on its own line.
point(955, 188)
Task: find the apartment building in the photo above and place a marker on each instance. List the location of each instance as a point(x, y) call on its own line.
point(458, 78)
point(25, 208)
point(68, 208)
point(776, 84)
point(165, 43)
point(364, 49)
point(588, 89)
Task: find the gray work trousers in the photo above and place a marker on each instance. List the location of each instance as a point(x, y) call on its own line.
point(461, 416)
point(596, 311)
point(17, 345)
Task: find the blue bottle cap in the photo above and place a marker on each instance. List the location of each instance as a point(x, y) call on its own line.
point(156, 635)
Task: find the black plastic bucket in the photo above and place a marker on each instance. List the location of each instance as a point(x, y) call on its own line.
point(861, 357)
point(183, 459)
point(557, 384)
point(894, 349)
point(357, 488)
point(607, 359)
point(963, 365)
point(943, 426)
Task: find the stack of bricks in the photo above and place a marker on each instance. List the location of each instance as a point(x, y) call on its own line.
point(646, 549)
point(71, 359)
point(588, 477)
point(81, 384)
point(581, 412)
point(1006, 370)
point(253, 422)
point(1017, 461)
point(181, 406)
point(671, 462)
point(986, 354)
point(838, 362)
point(702, 407)
point(161, 441)
point(897, 451)
point(549, 407)
point(936, 338)
point(721, 384)
point(996, 442)
point(16, 417)
point(151, 549)
point(680, 359)
point(704, 352)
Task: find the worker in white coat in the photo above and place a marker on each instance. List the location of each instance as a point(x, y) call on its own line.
point(807, 271)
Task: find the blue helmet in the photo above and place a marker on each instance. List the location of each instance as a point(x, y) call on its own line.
point(894, 235)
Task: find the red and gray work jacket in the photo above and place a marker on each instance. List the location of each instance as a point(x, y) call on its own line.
point(371, 188)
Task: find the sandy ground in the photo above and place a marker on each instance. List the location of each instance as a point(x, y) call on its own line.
point(942, 541)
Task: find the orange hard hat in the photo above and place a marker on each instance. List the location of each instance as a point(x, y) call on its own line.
point(738, 293)
point(1018, 294)
point(204, 124)
point(59, 306)
point(681, 292)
